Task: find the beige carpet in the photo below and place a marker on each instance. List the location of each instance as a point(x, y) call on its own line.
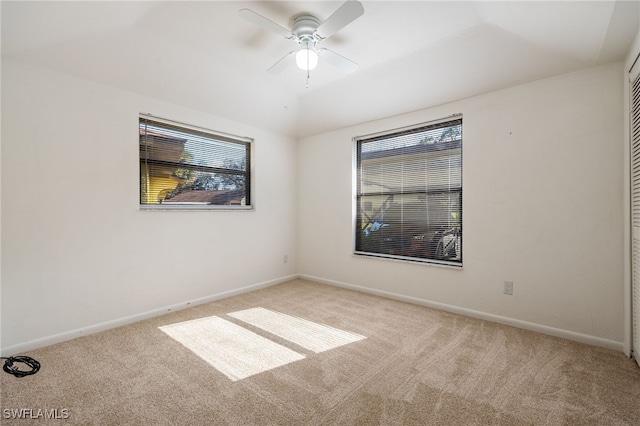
point(325, 356)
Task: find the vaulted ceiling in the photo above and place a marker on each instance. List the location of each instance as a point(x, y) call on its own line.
point(411, 54)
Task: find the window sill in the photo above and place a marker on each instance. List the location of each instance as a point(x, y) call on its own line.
point(441, 264)
point(165, 207)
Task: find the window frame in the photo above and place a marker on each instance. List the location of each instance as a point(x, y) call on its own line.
point(226, 137)
point(356, 176)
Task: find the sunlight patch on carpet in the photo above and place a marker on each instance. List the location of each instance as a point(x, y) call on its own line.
point(308, 334)
point(231, 349)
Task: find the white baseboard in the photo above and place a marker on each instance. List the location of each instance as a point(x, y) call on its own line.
point(30, 345)
point(552, 331)
point(68, 335)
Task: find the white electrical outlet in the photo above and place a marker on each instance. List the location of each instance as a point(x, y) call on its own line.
point(286, 258)
point(508, 287)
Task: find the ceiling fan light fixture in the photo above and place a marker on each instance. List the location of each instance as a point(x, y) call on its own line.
point(306, 59)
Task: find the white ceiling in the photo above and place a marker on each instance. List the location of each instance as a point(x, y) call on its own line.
point(412, 55)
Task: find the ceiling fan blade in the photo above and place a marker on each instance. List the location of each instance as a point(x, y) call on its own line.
point(282, 64)
point(348, 12)
point(260, 20)
point(337, 60)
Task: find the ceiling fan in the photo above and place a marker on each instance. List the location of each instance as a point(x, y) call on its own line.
point(308, 31)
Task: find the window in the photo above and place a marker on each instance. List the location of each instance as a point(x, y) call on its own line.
point(186, 167)
point(409, 193)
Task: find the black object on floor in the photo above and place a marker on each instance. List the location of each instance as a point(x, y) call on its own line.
point(10, 367)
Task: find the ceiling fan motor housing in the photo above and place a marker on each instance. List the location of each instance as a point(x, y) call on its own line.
point(304, 28)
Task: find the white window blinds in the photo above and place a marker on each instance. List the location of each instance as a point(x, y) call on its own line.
point(409, 193)
point(185, 167)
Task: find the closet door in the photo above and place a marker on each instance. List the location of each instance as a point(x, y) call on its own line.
point(635, 205)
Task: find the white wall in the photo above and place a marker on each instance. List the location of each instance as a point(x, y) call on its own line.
point(542, 207)
point(76, 250)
